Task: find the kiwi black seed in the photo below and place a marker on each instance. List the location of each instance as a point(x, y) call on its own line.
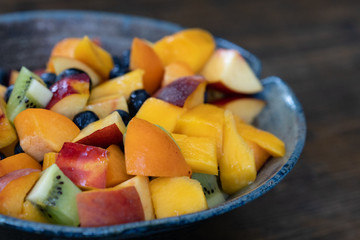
point(55, 194)
point(214, 195)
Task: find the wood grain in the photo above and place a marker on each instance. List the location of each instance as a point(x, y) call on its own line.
point(315, 47)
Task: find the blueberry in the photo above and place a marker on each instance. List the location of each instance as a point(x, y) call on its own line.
point(136, 100)
point(83, 119)
point(18, 148)
point(117, 72)
point(49, 78)
point(124, 116)
point(4, 77)
point(2, 156)
point(121, 65)
point(8, 92)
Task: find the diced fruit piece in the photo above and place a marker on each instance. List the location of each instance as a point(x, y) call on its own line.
point(141, 183)
point(84, 165)
point(64, 48)
point(49, 159)
point(192, 46)
point(103, 132)
point(229, 71)
point(264, 139)
point(142, 56)
point(29, 92)
point(13, 189)
point(109, 207)
point(105, 105)
point(13, 76)
point(7, 131)
point(41, 131)
point(2, 91)
point(9, 150)
point(94, 56)
point(122, 85)
point(187, 92)
point(82, 119)
point(70, 95)
point(136, 100)
point(30, 212)
point(63, 63)
point(174, 71)
point(204, 120)
point(260, 155)
point(48, 78)
point(116, 170)
point(153, 111)
point(16, 162)
point(176, 196)
point(125, 116)
point(245, 108)
point(237, 165)
point(150, 151)
point(121, 64)
point(214, 195)
point(199, 153)
point(55, 195)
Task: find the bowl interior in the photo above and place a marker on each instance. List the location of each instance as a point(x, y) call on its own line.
point(27, 39)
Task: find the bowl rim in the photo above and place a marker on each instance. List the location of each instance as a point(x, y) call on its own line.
point(136, 228)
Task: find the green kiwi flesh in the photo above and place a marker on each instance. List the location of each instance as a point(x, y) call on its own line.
point(55, 195)
point(29, 91)
point(214, 195)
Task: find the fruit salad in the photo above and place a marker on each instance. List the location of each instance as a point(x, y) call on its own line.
point(98, 139)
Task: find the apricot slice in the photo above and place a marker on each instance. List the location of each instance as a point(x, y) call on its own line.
point(18, 161)
point(150, 151)
point(116, 170)
point(144, 57)
point(41, 131)
point(64, 48)
point(174, 71)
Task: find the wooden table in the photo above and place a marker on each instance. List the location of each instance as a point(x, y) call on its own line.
point(315, 47)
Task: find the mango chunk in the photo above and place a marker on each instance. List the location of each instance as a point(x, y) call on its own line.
point(116, 170)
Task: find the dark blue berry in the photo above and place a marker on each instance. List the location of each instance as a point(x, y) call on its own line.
point(2, 156)
point(4, 77)
point(49, 78)
point(18, 148)
point(83, 119)
point(125, 116)
point(136, 100)
point(117, 72)
point(121, 65)
point(8, 92)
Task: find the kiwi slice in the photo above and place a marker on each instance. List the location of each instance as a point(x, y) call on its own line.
point(214, 195)
point(55, 195)
point(29, 91)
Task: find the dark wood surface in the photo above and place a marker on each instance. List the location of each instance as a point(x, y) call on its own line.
point(315, 47)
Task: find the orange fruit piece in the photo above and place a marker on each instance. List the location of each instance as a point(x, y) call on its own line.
point(16, 162)
point(64, 48)
point(174, 71)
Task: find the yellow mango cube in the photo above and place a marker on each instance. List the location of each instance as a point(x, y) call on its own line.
point(199, 153)
point(237, 165)
point(153, 111)
point(205, 120)
point(176, 196)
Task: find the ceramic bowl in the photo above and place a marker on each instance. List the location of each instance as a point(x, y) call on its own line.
point(27, 38)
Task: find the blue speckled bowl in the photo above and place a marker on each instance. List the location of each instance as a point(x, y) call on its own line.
point(27, 38)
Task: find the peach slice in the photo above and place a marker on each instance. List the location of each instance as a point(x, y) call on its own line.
point(174, 71)
point(116, 171)
point(84, 165)
point(228, 70)
point(103, 133)
point(16, 162)
point(143, 56)
point(41, 131)
point(103, 106)
point(205, 120)
point(191, 46)
point(122, 85)
point(64, 48)
point(199, 153)
point(264, 139)
point(245, 108)
point(94, 56)
point(141, 183)
point(177, 196)
point(13, 189)
point(7, 131)
point(187, 92)
point(237, 164)
point(153, 111)
point(109, 207)
point(150, 151)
